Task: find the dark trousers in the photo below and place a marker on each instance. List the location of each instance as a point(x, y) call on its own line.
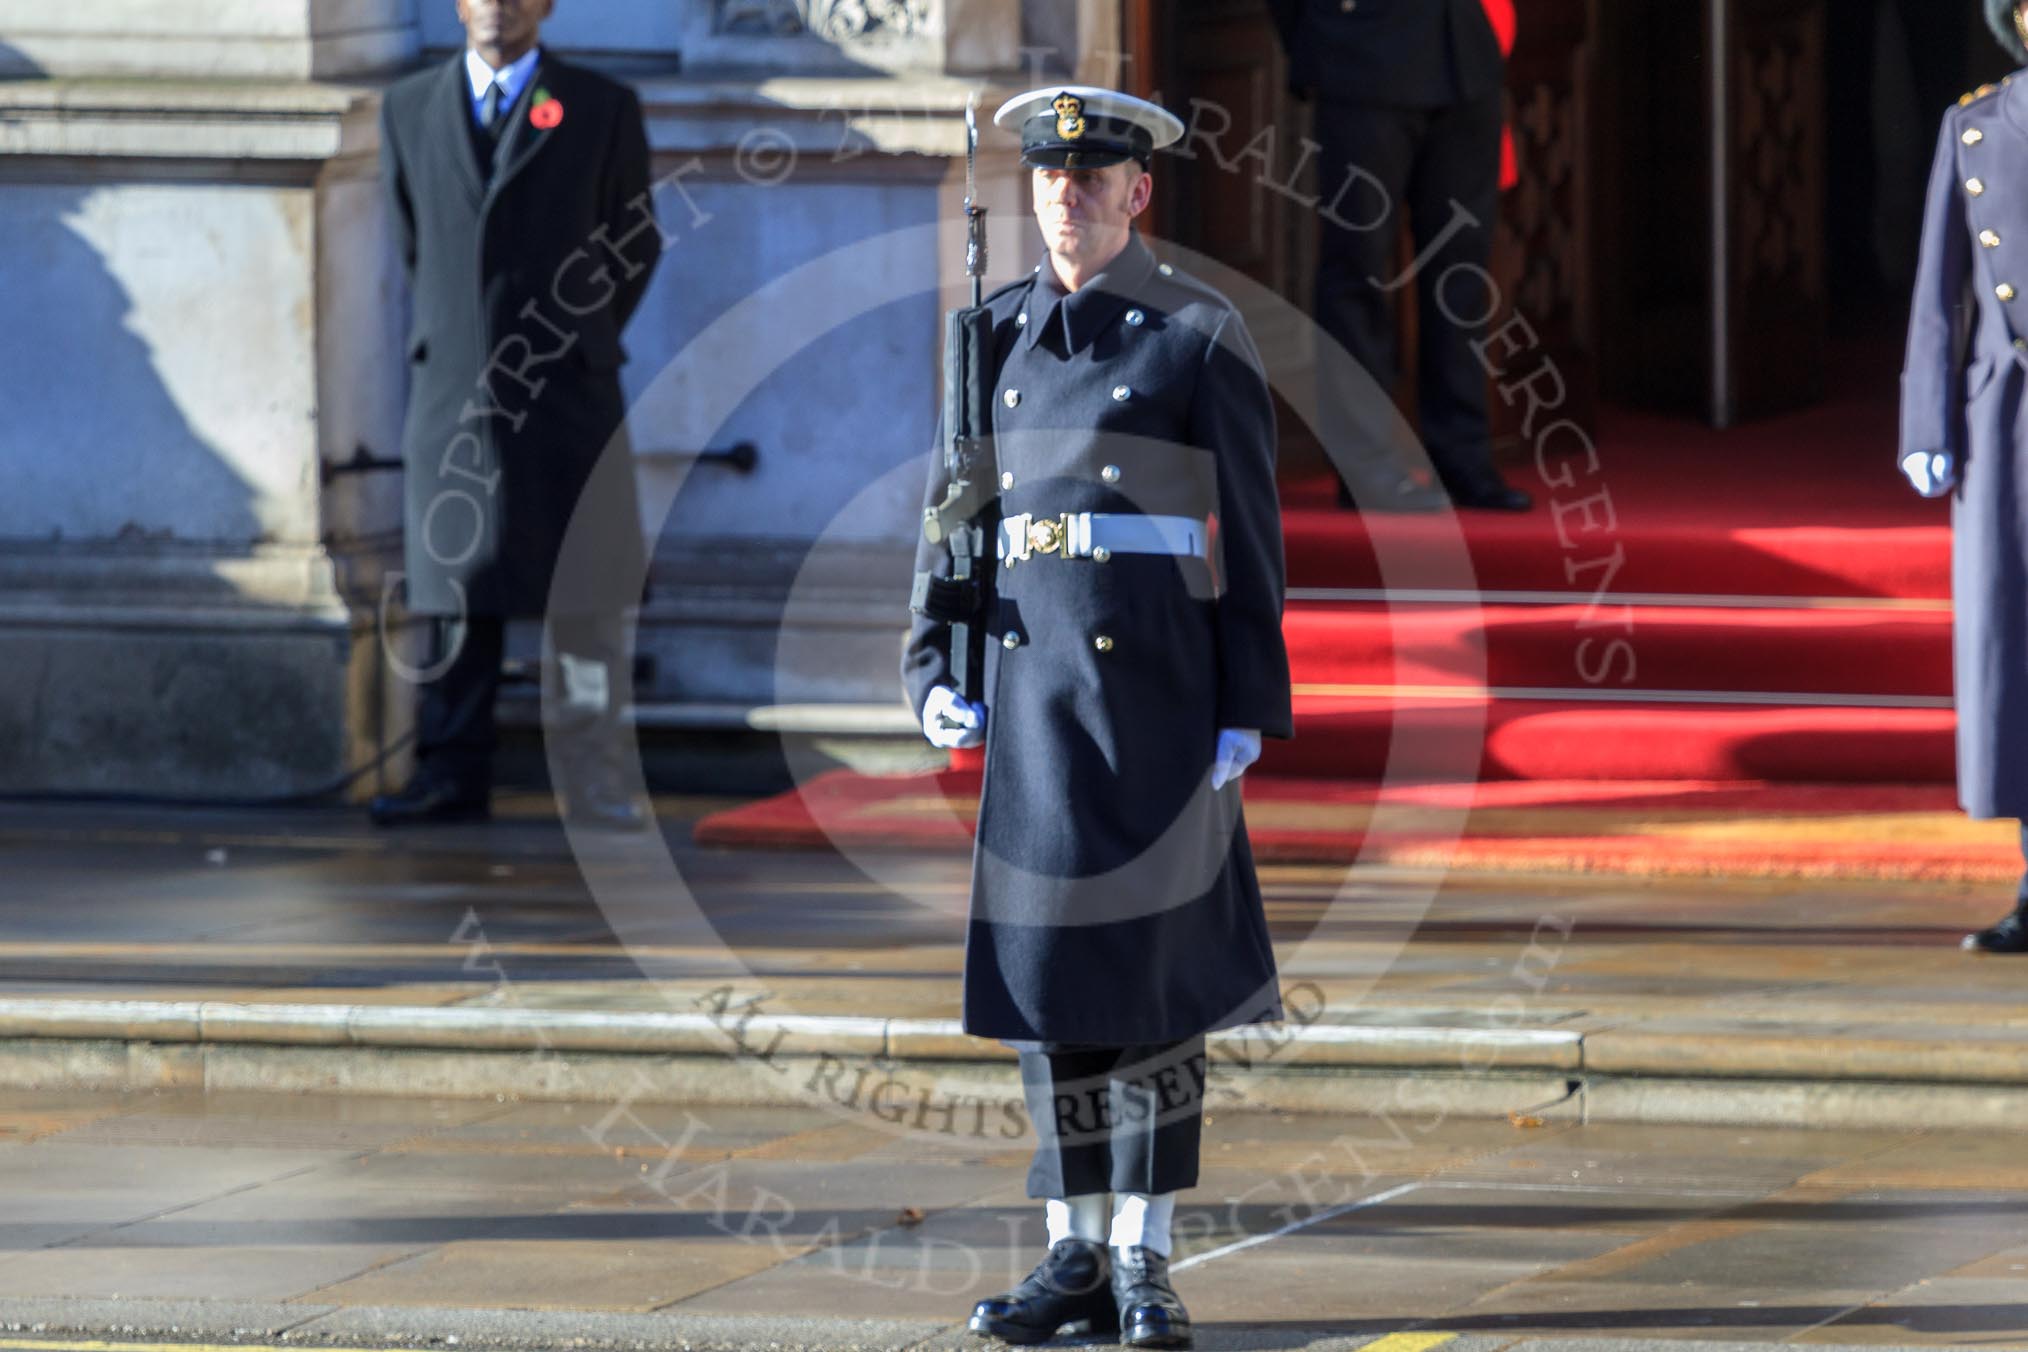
point(1115, 1119)
point(2021, 895)
point(455, 729)
point(1439, 165)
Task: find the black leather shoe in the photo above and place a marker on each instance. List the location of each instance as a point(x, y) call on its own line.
point(1386, 490)
point(1487, 492)
point(2010, 935)
point(1068, 1287)
point(1150, 1313)
point(428, 802)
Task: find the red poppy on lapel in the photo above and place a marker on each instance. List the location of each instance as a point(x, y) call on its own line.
point(547, 111)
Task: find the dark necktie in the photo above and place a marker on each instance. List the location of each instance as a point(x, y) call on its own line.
point(489, 112)
point(486, 140)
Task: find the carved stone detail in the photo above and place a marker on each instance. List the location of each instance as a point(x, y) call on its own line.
point(830, 20)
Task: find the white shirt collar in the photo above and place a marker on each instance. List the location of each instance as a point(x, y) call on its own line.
point(511, 80)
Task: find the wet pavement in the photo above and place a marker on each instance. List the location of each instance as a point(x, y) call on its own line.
point(1304, 1231)
point(313, 905)
point(401, 1222)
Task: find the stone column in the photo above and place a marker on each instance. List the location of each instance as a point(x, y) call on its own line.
point(203, 316)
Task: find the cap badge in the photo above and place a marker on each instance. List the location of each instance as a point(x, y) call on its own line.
point(1069, 116)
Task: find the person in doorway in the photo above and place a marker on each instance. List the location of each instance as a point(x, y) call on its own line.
point(1964, 427)
point(519, 189)
point(1133, 660)
point(1408, 113)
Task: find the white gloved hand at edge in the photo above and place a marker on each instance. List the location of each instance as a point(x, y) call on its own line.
point(1237, 749)
point(1932, 472)
point(951, 721)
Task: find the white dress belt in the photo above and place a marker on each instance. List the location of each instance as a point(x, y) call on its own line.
point(1100, 535)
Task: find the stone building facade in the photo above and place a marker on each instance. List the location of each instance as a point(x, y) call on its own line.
point(202, 362)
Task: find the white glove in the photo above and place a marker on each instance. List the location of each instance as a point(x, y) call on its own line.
point(951, 721)
point(1932, 472)
point(1237, 749)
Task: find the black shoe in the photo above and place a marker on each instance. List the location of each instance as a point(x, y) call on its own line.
point(428, 801)
point(1150, 1313)
point(1384, 489)
point(1069, 1286)
point(2010, 935)
point(1487, 492)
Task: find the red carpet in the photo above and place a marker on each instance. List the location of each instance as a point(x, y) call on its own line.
point(1808, 505)
point(1740, 638)
point(1682, 829)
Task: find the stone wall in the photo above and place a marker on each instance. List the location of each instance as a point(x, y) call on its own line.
point(205, 321)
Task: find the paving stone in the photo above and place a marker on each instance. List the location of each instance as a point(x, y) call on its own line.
point(1881, 1241)
point(56, 1191)
point(1948, 1311)
point(708, 1130)
point(1577, 1313)
point(638, 1274)
point(123, 1270)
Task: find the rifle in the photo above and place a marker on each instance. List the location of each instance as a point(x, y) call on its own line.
point(967, 450)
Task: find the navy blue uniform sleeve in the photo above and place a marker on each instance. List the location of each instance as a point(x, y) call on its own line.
point(1932, 404)
point(1232, 416)
point(926, 660)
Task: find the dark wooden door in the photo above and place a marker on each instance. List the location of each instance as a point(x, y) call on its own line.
point(1230, 64)
point(1227, 195)
point(1544, 250)
point(1710, 204)
point(1769, 298)
point(1241, 195)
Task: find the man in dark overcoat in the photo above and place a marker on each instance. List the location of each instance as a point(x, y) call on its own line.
point(1133, 659)
point(1408, 118)
point(519, 189)
point(1964, 429)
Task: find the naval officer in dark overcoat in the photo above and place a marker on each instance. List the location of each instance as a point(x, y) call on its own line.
point(518, 184)
point(1408, 117)
point(1964, 430)
point(1133, 660)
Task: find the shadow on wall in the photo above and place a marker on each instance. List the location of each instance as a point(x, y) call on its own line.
point(151, 368)
point(16, 64)
point(99, 448)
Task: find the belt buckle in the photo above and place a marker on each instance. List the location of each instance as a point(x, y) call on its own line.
point(1049, 535)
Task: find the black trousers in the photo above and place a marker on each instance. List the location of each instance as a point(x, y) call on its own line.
point(455, 729)
point(1115, 1119)
point(1441, 166)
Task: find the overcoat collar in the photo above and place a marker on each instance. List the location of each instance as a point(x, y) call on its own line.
point(451, 111)
point(1087, 312)
point(521, 141)
point(2014, 99)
